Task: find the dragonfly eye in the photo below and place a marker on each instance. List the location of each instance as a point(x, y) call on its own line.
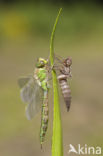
point(42, 63)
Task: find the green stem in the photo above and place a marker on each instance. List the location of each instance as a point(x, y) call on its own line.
point(57, 142)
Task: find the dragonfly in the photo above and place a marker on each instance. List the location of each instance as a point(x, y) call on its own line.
point(34, 92)
point(64, 68)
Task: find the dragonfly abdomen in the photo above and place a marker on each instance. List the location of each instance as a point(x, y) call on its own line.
point(65, 90)
point(44, 118)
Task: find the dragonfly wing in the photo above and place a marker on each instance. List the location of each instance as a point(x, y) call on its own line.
point(34, 106)
point(31, 93)
point(27, 88)
point(23, 81)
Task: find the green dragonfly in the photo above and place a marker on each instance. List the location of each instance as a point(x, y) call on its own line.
point(34, 90)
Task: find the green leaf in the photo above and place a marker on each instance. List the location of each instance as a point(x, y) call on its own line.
point(57, 141)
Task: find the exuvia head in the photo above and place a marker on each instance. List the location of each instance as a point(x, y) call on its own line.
point(67, 62)
point(41, 62)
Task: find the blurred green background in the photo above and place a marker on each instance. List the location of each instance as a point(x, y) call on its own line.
point(25, 29)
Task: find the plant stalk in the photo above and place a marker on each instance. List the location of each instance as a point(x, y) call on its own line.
point(57, 141)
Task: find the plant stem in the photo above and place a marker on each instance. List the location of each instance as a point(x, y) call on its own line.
point(57, 143)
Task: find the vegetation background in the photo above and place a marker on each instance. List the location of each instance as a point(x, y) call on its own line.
point(25, 29)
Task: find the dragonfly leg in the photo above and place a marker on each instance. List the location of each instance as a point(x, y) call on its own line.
point(49, 73)
point(50, 78)
point(56, 67)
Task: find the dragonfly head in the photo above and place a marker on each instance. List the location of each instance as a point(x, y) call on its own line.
point(41, 62)
point(67, 62)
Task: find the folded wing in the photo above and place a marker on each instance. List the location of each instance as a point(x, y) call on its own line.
point(32, 94)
